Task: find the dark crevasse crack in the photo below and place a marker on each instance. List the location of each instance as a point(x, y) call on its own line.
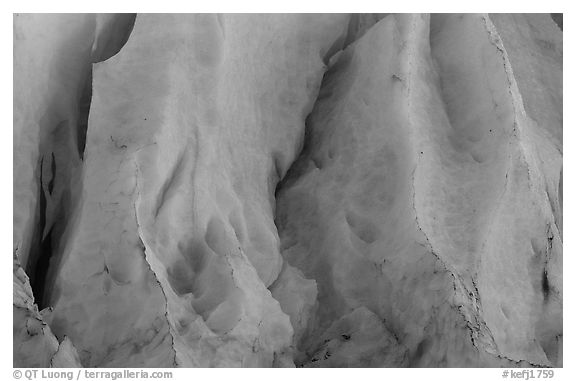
point(47, 230)
point(545, 285)
point(40, 252)
point(53, 171)
point(62, 151)
point(83, 113)
point(41, 270)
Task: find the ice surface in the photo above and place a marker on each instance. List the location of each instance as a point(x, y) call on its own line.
point(285, 190)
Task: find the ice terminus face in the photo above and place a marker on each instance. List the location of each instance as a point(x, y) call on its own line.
point(312, 190)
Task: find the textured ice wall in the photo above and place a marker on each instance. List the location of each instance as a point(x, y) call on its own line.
point(417, 223)
point(53, 54)
point(427, 195)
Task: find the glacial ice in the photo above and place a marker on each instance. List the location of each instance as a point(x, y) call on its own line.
point(310, 190)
